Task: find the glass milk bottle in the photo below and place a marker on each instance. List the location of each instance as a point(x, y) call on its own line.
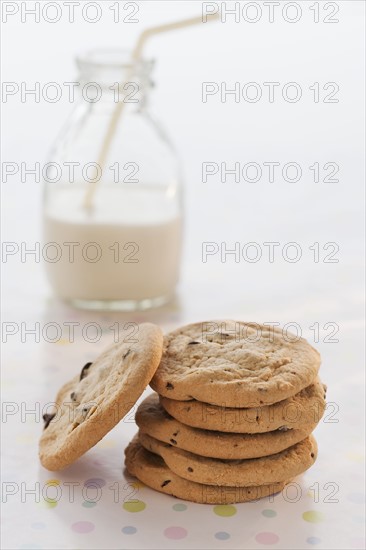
point(112, 220)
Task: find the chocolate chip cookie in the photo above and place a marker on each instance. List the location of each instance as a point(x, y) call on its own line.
point(91, 404)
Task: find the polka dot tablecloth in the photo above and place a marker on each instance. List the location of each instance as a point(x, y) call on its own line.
point(94, 504)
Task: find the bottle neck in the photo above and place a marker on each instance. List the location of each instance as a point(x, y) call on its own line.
point(132, 93)
point(110, 76)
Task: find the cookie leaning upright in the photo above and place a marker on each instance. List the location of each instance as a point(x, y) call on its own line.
point(234, 364)
point(91, 404)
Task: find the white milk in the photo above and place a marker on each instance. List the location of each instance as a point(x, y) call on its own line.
point(147, 217)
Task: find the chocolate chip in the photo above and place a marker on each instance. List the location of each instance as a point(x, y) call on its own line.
point(312, 455)
point(193, 343)
point(84, 370)
point(169, 386)
point(190, 469)
point(47, 419)
point(73, 396)
point(173, 441)
point(85, 410)
point(176, 433)
point(165, 482)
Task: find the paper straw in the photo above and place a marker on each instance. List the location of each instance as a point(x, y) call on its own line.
point(135, 57)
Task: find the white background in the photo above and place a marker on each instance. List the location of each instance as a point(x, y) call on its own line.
point(306, 212)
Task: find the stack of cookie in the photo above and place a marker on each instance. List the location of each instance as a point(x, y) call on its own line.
point(231, 421)
point(232, 418)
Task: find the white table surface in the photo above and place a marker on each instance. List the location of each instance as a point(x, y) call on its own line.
point(324, 509)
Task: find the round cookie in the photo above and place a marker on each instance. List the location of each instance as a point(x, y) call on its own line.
point(296, 412)
point(258, 471)
point(152, 470)
point(234, 364)
point(93, 402)
point(153, 420)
